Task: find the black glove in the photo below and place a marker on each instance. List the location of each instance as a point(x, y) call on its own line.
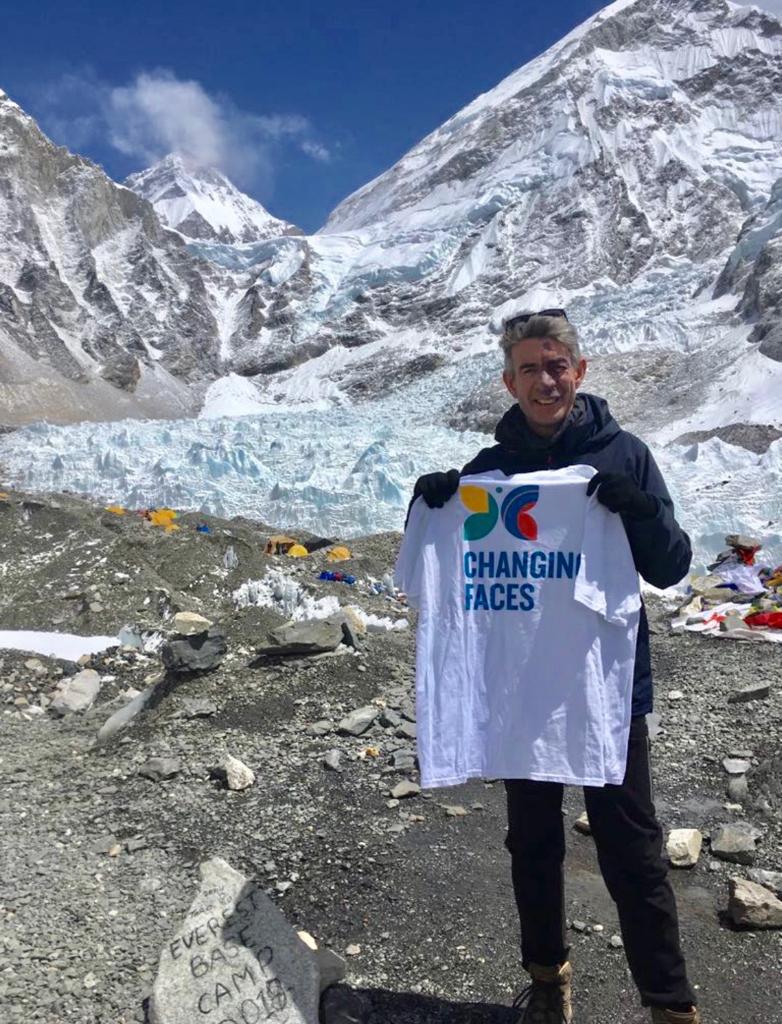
point(437, 488)
point(620, 494)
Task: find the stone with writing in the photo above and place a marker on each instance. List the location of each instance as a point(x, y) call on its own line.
point(235, 960)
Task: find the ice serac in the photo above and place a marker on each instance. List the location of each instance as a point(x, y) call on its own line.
point(103, 312)
point(201, 203)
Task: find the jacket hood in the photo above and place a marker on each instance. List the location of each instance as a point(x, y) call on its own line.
point(589, 426)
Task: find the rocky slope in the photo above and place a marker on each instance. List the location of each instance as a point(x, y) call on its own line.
point(101, 847)
point(103, 312)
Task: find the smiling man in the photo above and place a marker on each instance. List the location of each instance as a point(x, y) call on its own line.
point(550, 426)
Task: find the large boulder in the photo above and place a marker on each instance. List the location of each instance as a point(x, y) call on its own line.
point(234, 958)
point(311, 636)
point(201, 652)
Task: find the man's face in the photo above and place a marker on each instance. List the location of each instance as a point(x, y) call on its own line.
point(544, 382)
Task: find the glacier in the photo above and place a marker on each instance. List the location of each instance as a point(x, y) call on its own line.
point(347, 471)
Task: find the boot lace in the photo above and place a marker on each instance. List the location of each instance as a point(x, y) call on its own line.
point(542, 1004)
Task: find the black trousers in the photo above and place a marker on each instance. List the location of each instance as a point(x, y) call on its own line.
point(628, 838)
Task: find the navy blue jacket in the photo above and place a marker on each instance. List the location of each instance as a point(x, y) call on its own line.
point(592, 437)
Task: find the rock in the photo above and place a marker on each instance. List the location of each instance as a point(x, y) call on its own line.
point(76, 693)
point(390, 719)
point(103, 845)
point(124, 716)
point(190, 624)
point(236, 773)
point(321, 727)
point(234, 944)
point(331, 761)
point(581, 824)
point(735, 842)
point(737, 788)
point(358, 721)
point(404, 789)
point(198, 707)
point(310, 636)
point(684, 847)
point(653, 721)
point(406, 731)
point(752, 906)
point(404, 760)
point(345, 1006)
point(747, 693)
point(230, 558)
point(455, 811)
point(201, 652)
point(36, 667)
point(675, 694)
point(735, 765)
point(159, 768)
point(350, 633)
point(615, 942)
point(579, 926)
point(769, 879)
point(332, 967)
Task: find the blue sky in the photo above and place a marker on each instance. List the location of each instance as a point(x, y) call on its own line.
point(299, 101)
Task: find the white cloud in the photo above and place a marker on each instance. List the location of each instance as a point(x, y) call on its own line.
point(316, 151)
point(158, 113)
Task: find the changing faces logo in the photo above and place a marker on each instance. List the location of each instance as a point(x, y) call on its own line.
point(486, 511)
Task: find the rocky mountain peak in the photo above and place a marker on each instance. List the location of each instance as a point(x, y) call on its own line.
point(203, 204)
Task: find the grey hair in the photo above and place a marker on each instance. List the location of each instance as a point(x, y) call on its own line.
point(555, 327)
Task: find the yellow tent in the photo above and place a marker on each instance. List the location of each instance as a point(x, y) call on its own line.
point(338, 554)
point(297, 551)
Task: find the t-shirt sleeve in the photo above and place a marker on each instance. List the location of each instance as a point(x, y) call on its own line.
point(408, 571)
point(607, 580)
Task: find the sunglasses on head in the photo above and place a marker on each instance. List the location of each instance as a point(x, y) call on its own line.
point(522, 318)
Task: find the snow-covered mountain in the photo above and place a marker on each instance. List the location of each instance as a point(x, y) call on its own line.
point(104, 313)
point(632, 173)
point(201, 203)
point(628, 173)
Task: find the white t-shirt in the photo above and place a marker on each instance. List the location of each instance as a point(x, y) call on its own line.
point(528, 605)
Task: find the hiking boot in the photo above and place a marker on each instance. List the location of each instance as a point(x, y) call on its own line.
point(547, 999)
point(662, 1016)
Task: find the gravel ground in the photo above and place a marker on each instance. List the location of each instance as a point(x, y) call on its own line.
point(99, 863)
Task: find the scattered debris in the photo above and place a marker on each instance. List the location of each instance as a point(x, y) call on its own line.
point(737, 599)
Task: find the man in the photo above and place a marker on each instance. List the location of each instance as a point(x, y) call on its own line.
point(551, 426)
